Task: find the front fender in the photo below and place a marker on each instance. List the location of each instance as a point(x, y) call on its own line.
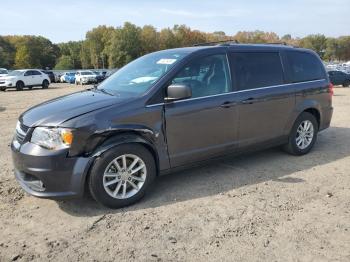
point(123, 138)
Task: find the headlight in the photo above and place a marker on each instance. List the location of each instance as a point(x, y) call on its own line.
point(52, 138)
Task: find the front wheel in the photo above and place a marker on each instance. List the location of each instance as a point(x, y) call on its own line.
point(122, 175)
point(19, 86)
point(346, 83)
point(303, 135)
point(45, 84)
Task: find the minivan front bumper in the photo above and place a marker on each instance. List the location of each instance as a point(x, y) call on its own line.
point(49, 174)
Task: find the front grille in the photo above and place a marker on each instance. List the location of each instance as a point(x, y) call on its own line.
point(1, 82)
point(21, 132)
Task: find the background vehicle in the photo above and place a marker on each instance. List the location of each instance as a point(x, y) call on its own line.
point(24, 78)
point(58, 77)
point(339, 78)
point(168, 110)
point(3, 72)
point(85, 77)
point(51, 75)
point(68, 77)
point(99, 76)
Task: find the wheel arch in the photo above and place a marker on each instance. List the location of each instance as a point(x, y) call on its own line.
point(310, 106)
point(115, 140)
point(20, 81)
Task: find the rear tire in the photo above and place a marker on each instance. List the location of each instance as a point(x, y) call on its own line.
point(45, 84)
point(302, 139)
point(19, 86)
point(109, 191)
point(346, 83)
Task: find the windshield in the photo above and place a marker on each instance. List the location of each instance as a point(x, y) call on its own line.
point(15, 73)
point(3, 71)
point(86, 73)
point(138, 76)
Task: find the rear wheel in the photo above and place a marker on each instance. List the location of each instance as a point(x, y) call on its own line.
point(45, 84)
point(346, 83)
point(303, 135)
point(2, 88)
point(122, 175)
point(19, 86)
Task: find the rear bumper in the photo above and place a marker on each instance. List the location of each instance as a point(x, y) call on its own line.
point(46, 174)
point(326, 118)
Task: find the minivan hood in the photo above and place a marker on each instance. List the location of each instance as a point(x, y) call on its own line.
point(61, 109)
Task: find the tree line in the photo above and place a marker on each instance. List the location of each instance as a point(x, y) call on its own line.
point(113, 47)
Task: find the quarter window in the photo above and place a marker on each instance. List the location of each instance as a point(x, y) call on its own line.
point(256, 69)
point(303, 67)
point(206, 76)
point(36, 73)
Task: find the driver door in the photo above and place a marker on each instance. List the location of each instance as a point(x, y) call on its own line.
point(204, 125)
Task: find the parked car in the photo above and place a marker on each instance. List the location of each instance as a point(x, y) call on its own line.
point(339, 78)
point(85, 77)
point(58, 77)
point(50, 74)
point(169, 110)
point(99, 76)
point(68, 77)
point(3, 72)
point(20, 79)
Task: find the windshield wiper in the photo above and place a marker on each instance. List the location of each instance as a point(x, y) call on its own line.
point(103, 91)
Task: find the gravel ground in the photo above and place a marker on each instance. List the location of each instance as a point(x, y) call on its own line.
point(266, 206)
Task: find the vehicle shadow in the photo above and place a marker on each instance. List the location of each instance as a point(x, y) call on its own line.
point(226, 174)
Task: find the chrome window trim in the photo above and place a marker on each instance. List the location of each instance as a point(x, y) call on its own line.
point(240, 91)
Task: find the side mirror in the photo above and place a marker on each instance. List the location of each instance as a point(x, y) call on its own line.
point(178, 91)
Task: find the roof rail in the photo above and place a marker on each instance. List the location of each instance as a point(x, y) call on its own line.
point(230, 41)
point(275, 43)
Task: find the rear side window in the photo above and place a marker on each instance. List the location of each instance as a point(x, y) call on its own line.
point(36, 73)
point(303, 66)
point(256, 69)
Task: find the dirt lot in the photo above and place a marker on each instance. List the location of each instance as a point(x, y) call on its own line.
point(267, 206)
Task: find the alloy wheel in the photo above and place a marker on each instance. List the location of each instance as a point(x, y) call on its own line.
point(305, 134)
point(124, 176)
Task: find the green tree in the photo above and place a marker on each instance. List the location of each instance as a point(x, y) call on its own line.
point(124, 45)
point(7, 53)
point(72, 49)
point(149, 39)
point(318, 43)
point(97, 40)
point(65, 62)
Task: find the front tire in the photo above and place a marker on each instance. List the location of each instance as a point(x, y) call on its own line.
point(346, 83)
point(122, 175)
point(19, 86)
point(303, 135)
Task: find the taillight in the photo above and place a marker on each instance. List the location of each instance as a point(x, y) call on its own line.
point(330, 89)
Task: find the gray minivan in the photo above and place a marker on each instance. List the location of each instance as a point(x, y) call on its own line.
point(169, 110)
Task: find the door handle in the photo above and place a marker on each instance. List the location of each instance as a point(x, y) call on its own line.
point(228, 104)
point(249, 101)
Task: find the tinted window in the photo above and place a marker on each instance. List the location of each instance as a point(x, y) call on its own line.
point(256, 69)
point(206, 76)
point(304, 67)
point(28, 73)
point(34, 72)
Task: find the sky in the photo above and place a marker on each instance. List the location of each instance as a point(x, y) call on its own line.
point(64, 20)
